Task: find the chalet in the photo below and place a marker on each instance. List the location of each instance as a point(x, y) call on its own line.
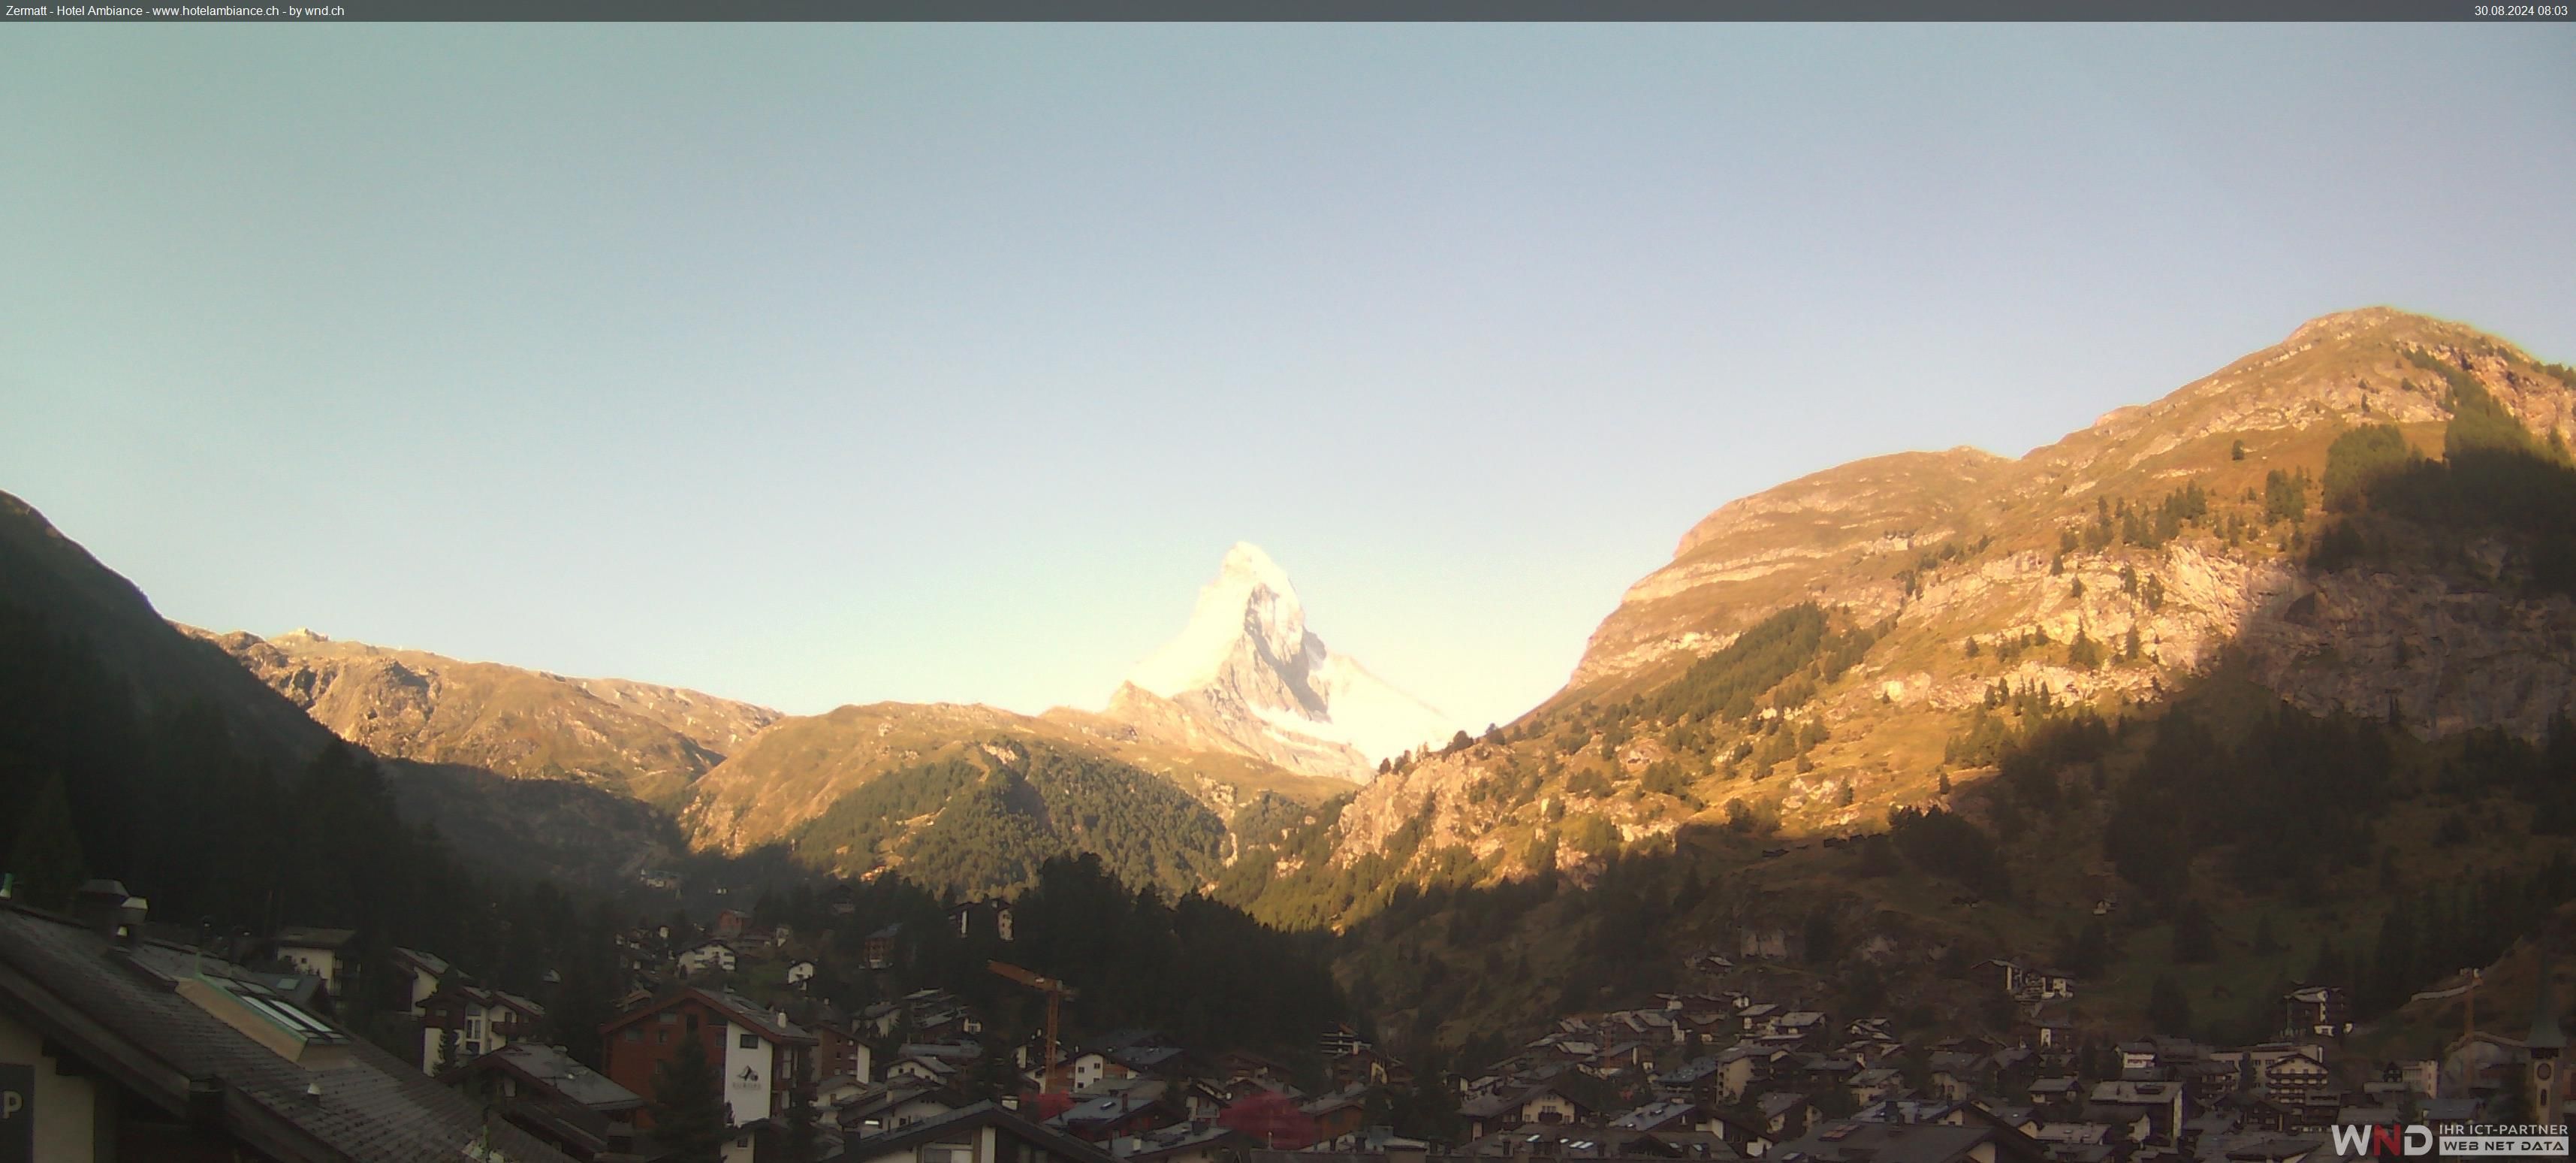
point(1188, 1143)
point(760, 1052)
point(714, 955)
point(1245, 1065)
point(542, 1090)
point(982, 1133)
point(729, 925)
point(922, 1069)
point(1780, 1108)
point(1338, 1114)
point(1690, 1077)
point(122, 1047)
point(2049, 1092)
point(426, 973)
point(1739, 1066)
point(1954, 1074)
point(838, 1050)
point(1521, 1107)
point(2296, 1078)
point(1340, 1039)
point(2027, 984)
point(2049, 1027)
point(1367, 1067)
point(984, 918)
point(1123, 1113)
point(1869, 1086)
point(466, 1021)
point(1092, 1067)
point(2150, 1108)
point(2018, 1120)
point(877, 1109)
point(877, 950)
point(2320, 1011)
point(324, 953)
point(1710, 961)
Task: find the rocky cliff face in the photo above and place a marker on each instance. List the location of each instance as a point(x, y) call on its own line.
point(1247, 676)
point(2059, 569)
point(648, 742)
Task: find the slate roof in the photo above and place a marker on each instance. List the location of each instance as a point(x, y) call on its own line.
point(742, 1010)
point(436, 965)
point(1855, 1142)
point(301, 937)
point(982, 1114)
point(556, 1071)
point(116, 1008)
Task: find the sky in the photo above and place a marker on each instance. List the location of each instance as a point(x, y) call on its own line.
point(812, 365)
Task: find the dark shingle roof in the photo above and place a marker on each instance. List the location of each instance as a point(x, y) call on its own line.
point(117, 1009)
point(556, 1071)
point(982, 1114)
point(302, 937)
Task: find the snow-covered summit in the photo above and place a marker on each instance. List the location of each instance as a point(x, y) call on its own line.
point(1247, 674)
point(1249, 600)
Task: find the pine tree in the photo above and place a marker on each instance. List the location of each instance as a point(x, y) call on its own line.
point(47, 856)
point(802, 1137)
point(2168, 1010)
point(2194, 939)
point(688, 1105)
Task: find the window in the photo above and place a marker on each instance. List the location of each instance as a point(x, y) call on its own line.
point(661, 1037)
point(634, 1034)
point(751, 1041)
point(948, 1153)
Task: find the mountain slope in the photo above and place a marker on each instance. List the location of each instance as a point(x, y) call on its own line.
point(1247, 675)
point(2140, 703)
point(803, 767)
point(55, 579)
point(648, 742)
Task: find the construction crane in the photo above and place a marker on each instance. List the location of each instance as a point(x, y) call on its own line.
point(1055, 991)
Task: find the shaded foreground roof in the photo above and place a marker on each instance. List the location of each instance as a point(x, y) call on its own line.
point(982, 1114)
point(117, 1008)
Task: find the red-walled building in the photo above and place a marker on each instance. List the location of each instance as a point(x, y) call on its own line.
point(759, 1052)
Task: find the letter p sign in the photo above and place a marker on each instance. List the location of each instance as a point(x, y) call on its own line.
point(17, 1121)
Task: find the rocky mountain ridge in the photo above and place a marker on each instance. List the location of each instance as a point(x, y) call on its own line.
point(646, 741)
point(2107, 568)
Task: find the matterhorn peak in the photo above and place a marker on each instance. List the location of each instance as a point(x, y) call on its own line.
point(1248, 672)
point(1246, 561)
point(1249, 603)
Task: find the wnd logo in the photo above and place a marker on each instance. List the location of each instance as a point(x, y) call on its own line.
point(2354, 1140)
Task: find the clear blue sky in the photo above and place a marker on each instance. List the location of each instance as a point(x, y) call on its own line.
point(813, 365)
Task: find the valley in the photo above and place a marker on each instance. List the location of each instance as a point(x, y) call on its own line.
point(2262, 687)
